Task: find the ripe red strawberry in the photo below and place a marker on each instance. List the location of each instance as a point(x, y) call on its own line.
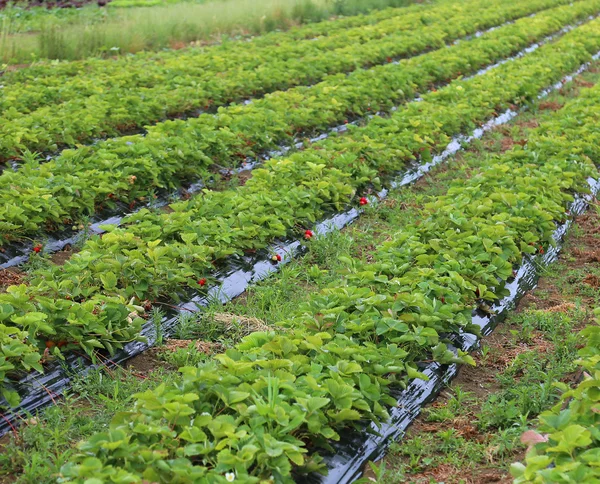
point(276, 258)
point(202, 282)
point(363, 201)
point(308, 234)
point(541, 249)
point(37, 249)
point(389, 59)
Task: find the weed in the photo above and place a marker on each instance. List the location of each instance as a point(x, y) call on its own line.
point(189, 356)
point(124, 31)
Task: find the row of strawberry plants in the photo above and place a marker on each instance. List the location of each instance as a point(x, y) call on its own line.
point(569, 448)
point(326, 35)
point(187, 85)
point(415, 14)
point(84, 303)
point(77, 80)
point(261, 410)
point(129, 168)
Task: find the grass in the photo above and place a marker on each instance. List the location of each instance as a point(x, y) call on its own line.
point(96, 32)
point(44, 444)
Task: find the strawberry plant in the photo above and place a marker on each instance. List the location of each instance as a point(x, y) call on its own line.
point(74, 184)
point(569, 446)
point(265, 406)
point(158, 73)
point(158, 254)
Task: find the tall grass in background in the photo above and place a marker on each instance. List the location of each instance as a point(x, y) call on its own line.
point(126, 30)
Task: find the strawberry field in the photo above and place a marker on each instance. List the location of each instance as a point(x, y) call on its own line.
point(141, 192)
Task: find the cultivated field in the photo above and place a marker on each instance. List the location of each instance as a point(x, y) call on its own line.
point(230, 262)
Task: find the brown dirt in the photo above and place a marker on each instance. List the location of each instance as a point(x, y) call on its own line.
point(244, 176)
point(149, 361)
point(550, 105)
point(61, 257)
point(178, 45)
point(528, 124)
point(506, 143)
point(583, 83)
point(592, 280)
point(228, 180)
point(448, 474)
point(144, 363)
point(10, 277)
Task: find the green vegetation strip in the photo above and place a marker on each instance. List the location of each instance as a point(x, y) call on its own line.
point(35, 20)
point(196, 67)
point(84, 304)
point(569, 448)
point(252, 413)
point(62, 191)
point(104, 102)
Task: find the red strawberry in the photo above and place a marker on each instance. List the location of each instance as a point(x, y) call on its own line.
point(276, 258)
point(202, 282)
point(389, 59)
point(541, 249)
point(308, 234)
point(37, 249)
point(363, 201)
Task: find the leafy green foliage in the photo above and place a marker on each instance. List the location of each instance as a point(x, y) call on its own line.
point(73, 81)
point(89, 302)
point(572, 449)
point(254, 410)
point(129, 169)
